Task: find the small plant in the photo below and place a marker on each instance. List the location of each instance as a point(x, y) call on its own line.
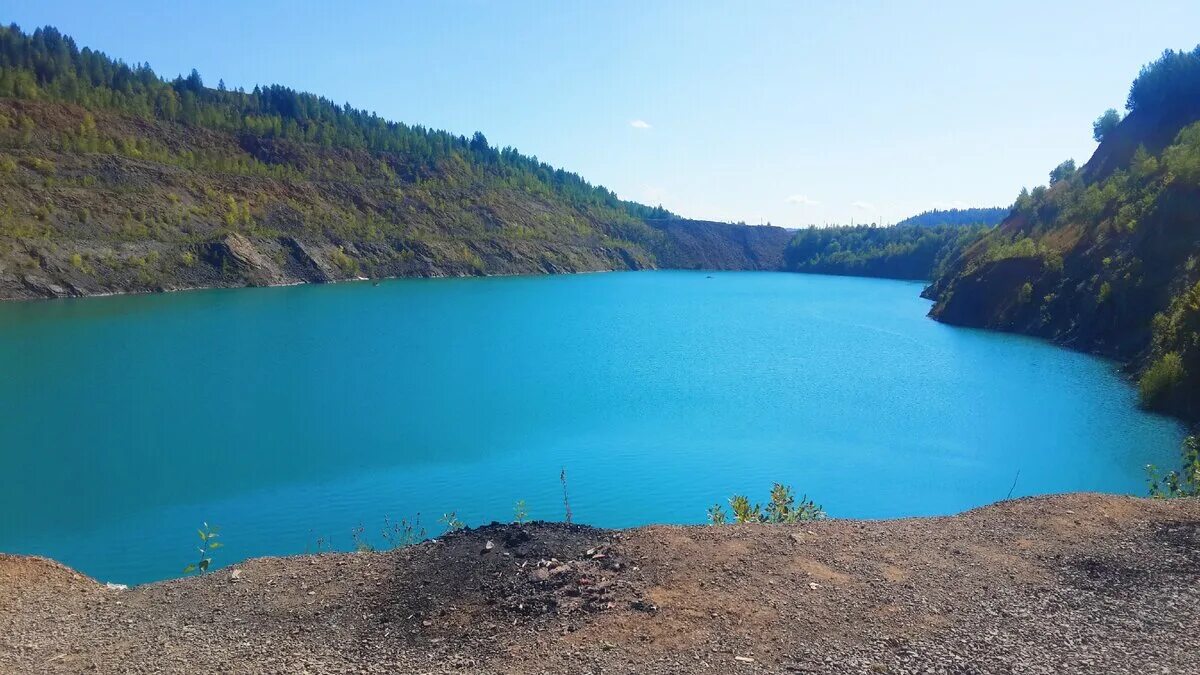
point(360, 543)
point(208, 544)
point(783, 508)
point(451, 522)
point(520, 513)
point(562, 478)
point(322, 542)
point(716, 515)
point(1182, 483)
point(403, 533)
point(743, 512)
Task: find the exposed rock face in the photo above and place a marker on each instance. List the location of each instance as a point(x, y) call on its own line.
point(209, 208)
point(236, 255)
point(704, 244)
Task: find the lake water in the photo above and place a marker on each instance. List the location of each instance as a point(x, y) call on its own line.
point(285, 415)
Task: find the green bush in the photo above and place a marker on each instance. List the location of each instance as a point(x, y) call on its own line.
point(782, 508)
point(1161, 377)
point(1182, 483)
point(348, 265)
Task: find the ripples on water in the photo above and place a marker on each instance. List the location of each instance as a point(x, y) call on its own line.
point(288, 414)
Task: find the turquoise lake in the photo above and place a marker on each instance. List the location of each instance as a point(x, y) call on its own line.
point(285, 415)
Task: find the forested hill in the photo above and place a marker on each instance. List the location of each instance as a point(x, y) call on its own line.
point(899, 252)
point(976, 216)
point(113, 179)
point(1104, 258)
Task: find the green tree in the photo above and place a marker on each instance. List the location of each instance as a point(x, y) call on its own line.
point(1062, 171)
point(1105, 123)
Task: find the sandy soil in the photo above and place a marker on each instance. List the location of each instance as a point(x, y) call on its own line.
point(1072, 583)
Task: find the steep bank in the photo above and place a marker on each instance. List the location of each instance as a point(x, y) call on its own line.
point(115, 180)
point(85, 223)
point(1104, 258)
point(1070, 583)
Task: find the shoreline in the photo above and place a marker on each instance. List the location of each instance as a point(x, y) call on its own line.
point(1031, 585)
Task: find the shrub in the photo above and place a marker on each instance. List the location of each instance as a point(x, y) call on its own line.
point(782, 508)
point(1162, 376)
point(1182, 483)
point(743, 512)
point(348, 265)
point(42, 166)
point(716, 515)
point(1025, 293)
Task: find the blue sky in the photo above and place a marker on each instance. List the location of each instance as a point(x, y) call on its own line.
point(788, 112)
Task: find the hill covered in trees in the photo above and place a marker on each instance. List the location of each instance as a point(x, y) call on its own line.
point(903, 251)
point(975, 216)
point(113, 179)
point(1105, 258)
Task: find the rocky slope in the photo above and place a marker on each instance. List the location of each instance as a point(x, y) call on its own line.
point(113, 179)
point(1067, 584)
point(82, 223)
point(1104, 258)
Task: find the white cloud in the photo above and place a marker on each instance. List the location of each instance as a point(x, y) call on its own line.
point(802, 200)
point(639, 124)
point(864, 206)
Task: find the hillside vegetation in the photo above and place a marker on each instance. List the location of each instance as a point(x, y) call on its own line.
point(113, 179)
point(1104, 258)
point(914, 251)
point(975, 216)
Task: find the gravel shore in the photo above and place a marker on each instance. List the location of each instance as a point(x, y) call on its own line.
point(1072, 583)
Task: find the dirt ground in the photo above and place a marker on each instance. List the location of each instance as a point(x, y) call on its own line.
point(1073, 583)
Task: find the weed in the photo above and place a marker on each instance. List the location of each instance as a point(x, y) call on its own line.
point(360, 543)
point(403, 533)
point(451, 522)
point(208, 544)
point(716, 515)
point(562, 478)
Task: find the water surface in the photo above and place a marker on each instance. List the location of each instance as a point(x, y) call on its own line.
point(290, 414)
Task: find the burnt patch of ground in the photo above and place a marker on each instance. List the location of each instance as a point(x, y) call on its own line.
point(539, 576)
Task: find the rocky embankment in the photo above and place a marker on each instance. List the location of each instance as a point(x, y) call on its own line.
point(1074, 583)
